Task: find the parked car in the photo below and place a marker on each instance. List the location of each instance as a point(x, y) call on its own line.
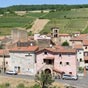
point(11, 72)
point(86, 67)
point(71, 77)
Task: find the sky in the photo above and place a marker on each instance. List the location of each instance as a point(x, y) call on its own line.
point(6, 3)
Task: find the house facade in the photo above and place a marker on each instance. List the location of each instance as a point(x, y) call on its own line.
point(22, 60)
point(57, 61)
point(4, 60)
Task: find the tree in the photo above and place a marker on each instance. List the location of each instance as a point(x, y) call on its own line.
point(44, 79)
point(65, 43)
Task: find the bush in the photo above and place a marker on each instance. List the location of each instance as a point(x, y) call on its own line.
point(21, 86)
point(6, 85)
point(36, 86)
point(81, 69)
point(65, 43)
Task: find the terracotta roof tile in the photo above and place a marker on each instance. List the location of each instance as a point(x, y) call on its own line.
point(2, 37)
point(30, 48)
point(4, 52)
point(85, 42)
point(78, 46)
point(67, 50)
point(1, 52)
point(85, 57)
point(80, 37)
point(64, 35)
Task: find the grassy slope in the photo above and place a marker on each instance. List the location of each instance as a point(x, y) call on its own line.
point(67, 21)
point(9, 22)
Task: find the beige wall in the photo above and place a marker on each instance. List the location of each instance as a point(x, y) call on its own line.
point(66, 38)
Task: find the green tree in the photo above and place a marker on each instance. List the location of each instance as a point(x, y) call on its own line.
point(65, 43)
point(44, 79)
point(21, 85)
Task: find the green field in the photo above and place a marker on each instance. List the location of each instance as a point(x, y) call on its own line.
point(66, 25)
point(9, 22)
point(67, 21)
point(36, 14)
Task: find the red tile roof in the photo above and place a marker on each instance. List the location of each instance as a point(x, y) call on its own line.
point(59, 47)
point(54, 50)
point(1, 52)
point(85, 42)
point(2, 37)
point(64, 35)
point(29, 49)
point(85, 57)
point(4, 52)
point(81, 37)
point(78, 46)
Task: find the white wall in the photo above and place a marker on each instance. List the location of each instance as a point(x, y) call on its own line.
point(26, 63)
point(80, 55)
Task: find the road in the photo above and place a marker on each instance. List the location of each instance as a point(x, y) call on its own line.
point(82, 82)
point(19, 76)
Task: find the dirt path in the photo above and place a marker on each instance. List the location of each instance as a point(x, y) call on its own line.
point(38, 25)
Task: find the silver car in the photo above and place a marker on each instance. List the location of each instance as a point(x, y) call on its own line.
point(11, 72)
point(70, 77)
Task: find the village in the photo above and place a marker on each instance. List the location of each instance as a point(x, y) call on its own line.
point(54, 53)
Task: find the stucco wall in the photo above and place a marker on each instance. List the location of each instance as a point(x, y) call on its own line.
point(24, 61)
point(57, 59)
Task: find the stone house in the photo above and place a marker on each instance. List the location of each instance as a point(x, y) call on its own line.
point(22, 60)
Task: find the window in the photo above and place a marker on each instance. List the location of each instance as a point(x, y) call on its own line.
point(56, 31)
point(79, 52)
point(45, 52)
point(85, 47)
point(70, 73)
point(67, 63)
point(55, 35)
point(59, 55)
point(6, 62)
point(61, 63)
point(28, 54)
point(80, 59)
point(15, 67)
point(69, 55)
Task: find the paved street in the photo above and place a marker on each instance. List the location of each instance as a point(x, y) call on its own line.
point(19, 76)
point(82, 82)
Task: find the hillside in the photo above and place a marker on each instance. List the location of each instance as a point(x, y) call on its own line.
point(38, 25)
point(68, 21)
